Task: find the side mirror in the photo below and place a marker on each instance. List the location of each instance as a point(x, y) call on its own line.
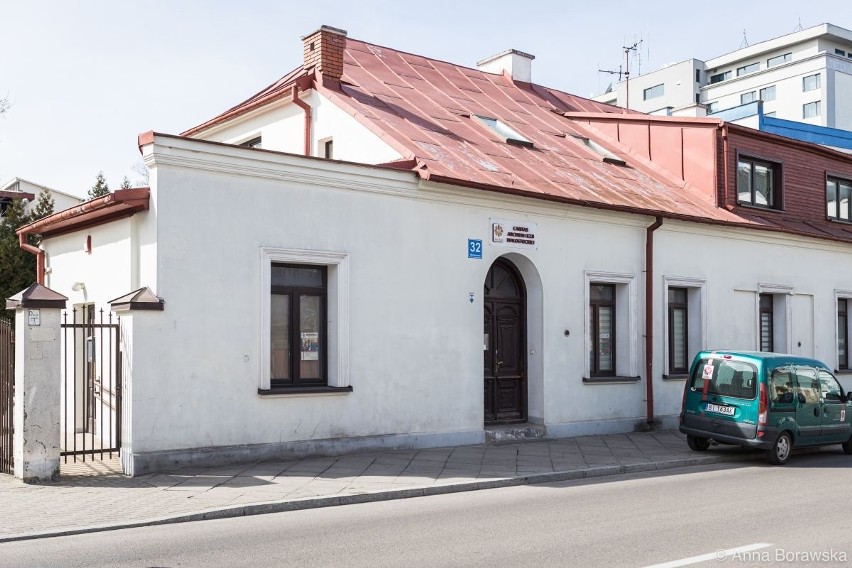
point(802, 399)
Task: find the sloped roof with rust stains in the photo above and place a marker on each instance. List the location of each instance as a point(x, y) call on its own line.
point(426, 109)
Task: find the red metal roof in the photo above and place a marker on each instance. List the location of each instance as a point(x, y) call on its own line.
point(115, 205)
point(425, 109)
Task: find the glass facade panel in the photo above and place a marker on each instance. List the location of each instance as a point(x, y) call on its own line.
point(310, 337)
point(605, 337)
point(744, 182)
point(831, 198)
point(280, 336)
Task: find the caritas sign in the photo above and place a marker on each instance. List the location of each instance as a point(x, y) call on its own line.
point(518, 234)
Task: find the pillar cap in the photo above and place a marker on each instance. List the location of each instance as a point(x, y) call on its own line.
point(36, 296)
point(141, 299)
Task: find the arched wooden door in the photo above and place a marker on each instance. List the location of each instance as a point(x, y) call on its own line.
point(505, 344)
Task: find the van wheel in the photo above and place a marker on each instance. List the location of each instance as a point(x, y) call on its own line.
point(698, 444)
point(847, 447)
point(780, 452)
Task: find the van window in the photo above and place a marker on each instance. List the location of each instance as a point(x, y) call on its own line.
point(808, 384)
point(830, 389)
point(728, 378)
point(781, 386)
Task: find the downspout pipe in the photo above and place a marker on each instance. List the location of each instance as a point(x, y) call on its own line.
point(649, 317)
point(22, 241)
point(307, 108)
point(725, 166)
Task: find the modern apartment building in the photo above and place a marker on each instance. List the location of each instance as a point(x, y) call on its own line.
point(805, 76)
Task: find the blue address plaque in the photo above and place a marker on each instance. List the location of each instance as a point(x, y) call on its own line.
point(474, 248)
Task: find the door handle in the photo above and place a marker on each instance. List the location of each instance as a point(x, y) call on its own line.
point(816, 411)
point(499, 363)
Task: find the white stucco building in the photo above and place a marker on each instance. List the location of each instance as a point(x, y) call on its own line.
point(385, 250)
point(21, 188)
point(805, 76)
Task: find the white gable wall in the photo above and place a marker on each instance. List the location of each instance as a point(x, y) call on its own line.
point(281, 127)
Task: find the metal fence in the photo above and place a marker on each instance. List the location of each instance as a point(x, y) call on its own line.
point(7, 393)
point(91, 385)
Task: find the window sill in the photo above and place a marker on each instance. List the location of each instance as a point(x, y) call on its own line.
point(676, 377)
point(285, 392)
point(759, 207)
point(615, 380)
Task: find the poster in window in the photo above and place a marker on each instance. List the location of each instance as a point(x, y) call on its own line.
point(310, 346)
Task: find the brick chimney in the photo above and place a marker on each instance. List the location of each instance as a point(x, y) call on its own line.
point(324, 51)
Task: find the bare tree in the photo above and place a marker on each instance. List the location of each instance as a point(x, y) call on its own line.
point(140, 168)
point(4, 106)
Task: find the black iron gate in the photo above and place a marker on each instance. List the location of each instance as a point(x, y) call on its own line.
point(7, 392)
point(91, 385)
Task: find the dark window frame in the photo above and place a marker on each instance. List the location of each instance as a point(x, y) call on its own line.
point(328, 149)
point(778, 181)
point(837, 179)
point(673, 306)
point(843, 332)
point(296, 293)
point(256, 142)
point(594, 369)
point(719, 77)
point(770, 311)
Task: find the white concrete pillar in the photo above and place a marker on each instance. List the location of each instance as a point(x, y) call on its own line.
point(37, 384)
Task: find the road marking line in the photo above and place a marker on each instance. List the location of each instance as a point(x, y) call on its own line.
point(718, 555)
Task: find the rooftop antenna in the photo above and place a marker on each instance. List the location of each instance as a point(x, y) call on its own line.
point(627, 50)
point(799, 25)
point(744, 43)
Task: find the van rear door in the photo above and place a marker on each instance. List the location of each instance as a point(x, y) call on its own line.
point(721, 397)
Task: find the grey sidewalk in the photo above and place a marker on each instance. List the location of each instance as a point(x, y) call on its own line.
point(83, 502)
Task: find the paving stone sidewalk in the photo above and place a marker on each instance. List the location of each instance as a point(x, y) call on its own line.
point(86, 500)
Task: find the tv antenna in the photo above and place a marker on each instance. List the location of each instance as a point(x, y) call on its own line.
point(744, 43)
point(799, 25)
point(624, 70)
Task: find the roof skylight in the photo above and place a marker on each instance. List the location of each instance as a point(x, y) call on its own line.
point(607, 156)
point(504, 131)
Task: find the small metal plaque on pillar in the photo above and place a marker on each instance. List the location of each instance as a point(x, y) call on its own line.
point(33, 318)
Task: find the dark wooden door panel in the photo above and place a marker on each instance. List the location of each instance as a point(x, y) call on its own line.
point(504, 328)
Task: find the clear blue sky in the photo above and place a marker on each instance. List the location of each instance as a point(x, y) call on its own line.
point(85, 77)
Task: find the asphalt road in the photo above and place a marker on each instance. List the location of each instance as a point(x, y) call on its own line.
point(763, 515)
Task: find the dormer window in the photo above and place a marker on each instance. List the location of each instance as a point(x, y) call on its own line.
point(605, 154)
point(504, 131)
point(252, 143)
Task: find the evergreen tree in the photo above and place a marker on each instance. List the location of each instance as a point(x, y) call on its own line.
point(44, 206)
point(17, 267)
point(100, 188)
point(125, 184)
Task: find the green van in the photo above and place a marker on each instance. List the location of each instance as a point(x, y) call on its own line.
point(770, 401)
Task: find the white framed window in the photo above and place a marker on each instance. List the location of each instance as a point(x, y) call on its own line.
point(811, 82)
point(654, 92)
point(767, 93)
point(685, 321)
point(619, 342)
point(773, 318)
point(810, 110)
point(748, 97)
point(746, 69)
point(843, 305)
point(336, 325)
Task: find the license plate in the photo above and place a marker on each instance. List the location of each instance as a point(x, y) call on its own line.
point(719, 409)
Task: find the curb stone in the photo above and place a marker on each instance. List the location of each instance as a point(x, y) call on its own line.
point(389, 495)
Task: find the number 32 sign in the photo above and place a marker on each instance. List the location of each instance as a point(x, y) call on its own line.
point(474, 248)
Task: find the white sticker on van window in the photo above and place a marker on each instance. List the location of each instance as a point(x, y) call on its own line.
point(708, 371)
